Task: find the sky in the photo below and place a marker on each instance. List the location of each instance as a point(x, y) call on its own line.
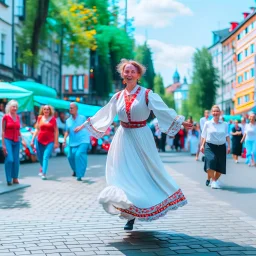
point(174, 29)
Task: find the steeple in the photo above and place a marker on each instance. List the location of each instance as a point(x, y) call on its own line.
point(176, 77)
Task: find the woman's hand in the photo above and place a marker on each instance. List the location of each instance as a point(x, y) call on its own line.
point(32, 144)
point(5, 150)
point(202, 149)
point(187, 125)
point(79, 128)
point(56, 145)
point(228, 150)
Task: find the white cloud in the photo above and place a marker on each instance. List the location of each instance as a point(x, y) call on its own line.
point(155, 13)
point(167, 57)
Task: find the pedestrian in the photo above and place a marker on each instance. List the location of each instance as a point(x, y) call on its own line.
point(214, 138)
point(11, 139)
point(79, 142)
point(193, 140)
point(47, 137)
point(236, 141)
point(138, 184)
point(250, 140)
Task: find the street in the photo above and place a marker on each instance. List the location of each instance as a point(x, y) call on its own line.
point(61, 216)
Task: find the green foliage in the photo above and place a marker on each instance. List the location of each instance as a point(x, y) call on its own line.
point(185, 108)
point(159, 89)
point(159, 85)
point(205, 81)
point(144, 56)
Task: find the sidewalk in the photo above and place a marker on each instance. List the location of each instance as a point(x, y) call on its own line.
point(62, 217)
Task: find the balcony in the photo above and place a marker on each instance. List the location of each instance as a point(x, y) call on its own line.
point(250, 36)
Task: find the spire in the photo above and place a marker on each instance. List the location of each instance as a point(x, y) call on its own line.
point(176, 77)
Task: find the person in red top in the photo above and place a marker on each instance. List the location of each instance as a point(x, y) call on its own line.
point(11, 142)
point(47, 137)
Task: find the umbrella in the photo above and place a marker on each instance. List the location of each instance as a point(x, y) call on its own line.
point(24, 97)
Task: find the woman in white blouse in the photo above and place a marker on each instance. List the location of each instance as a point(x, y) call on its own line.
point(138, 186)
point(214, 138)
point(250, 141)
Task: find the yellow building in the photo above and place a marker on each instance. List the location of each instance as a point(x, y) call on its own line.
point(245, 49)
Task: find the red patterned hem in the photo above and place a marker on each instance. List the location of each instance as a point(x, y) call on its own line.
point(173, 202)
point(93, 131)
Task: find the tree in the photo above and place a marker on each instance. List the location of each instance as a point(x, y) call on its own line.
point(205, 81)
point(144, 56)
point(159, 89)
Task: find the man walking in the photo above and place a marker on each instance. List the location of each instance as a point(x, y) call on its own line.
point(78, 142)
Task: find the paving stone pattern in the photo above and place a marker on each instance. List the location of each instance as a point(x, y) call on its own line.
point(61, 217)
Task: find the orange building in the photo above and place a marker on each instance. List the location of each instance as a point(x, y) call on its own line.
point(244, 88)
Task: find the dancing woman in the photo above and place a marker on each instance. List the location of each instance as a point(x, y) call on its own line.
point(138, 184)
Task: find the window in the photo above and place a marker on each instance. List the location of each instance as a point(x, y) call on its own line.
point(252, 48)
point(74, 83)
point(246, 30)
point(25, 69)
point(4, 1)
point(66, 83)
point(252, 25)
point(238, 36)
point(246, 52)
point(252, 72)
point(246, 75)
point(2, 48)
point(20, 10)
point(81, 83)
point(240, 79)
point(49, 44)
point(239, 101)
point(246, 98)
point(56, 48)
point(239, 56)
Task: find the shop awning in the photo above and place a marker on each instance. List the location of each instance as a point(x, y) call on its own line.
point(56, 103)
point(83, 109)
point(24, 97)
point(36, 88)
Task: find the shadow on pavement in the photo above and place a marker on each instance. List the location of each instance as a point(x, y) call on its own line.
point(151, 243)
point(240, 190)
point(14, 200)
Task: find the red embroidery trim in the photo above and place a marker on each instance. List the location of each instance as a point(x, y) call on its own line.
point(128, 103)
point(146, 95)
point(176, 199)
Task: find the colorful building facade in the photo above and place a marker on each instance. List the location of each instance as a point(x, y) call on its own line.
point(244, 98)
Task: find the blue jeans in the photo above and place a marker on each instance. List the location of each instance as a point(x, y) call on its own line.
point(77, 158)
point(250, 146)
point(43, 153)
point(12, 160)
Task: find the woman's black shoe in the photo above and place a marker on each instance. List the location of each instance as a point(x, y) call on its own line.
point(9, 183)
point(74, 174)
point(129, 225)
point(207, 183)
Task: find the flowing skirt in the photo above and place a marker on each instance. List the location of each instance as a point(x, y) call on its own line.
point(138, 184)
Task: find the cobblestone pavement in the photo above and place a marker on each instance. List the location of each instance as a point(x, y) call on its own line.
point(61, 217)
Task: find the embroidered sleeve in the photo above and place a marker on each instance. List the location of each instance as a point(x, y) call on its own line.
point(99, 123)
point(92, 130)
point(168, 120)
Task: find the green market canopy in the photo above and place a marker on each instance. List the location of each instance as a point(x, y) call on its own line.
point(37, 89)
point(83, 109)
point(24, 97)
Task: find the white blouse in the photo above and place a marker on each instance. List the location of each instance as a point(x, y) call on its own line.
point(168, 120)
point(215, 133)
point(250, 131)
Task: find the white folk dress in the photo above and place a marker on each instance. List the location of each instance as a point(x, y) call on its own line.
point(138, 186)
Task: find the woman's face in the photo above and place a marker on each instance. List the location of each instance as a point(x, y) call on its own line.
point(236, 123)
point(46, 110)
point(130, 74)
point(252, 118)
point(13, 109)
point(216, 112)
